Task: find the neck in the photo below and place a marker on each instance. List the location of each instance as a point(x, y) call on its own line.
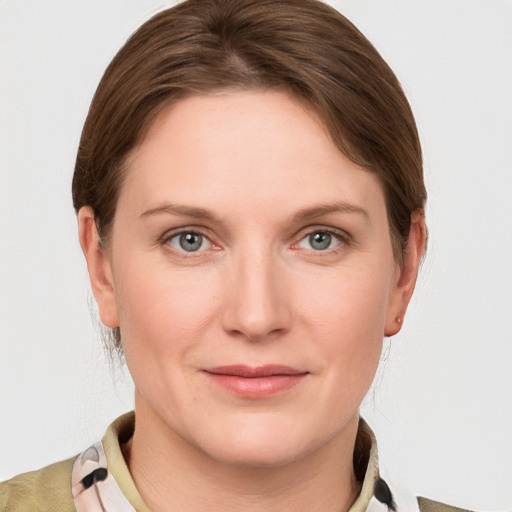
point(173, 475)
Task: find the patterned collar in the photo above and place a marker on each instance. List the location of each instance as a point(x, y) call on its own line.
point(101, 481)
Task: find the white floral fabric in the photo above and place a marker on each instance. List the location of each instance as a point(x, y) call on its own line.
point(94, 489)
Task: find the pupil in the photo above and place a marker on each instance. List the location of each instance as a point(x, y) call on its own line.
point(320, 240)
point(191, 241)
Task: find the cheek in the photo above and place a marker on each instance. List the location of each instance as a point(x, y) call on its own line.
point(162, 307)
point(352, 300)
point(347, 312)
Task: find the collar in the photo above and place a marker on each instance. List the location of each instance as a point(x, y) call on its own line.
point(100, 479)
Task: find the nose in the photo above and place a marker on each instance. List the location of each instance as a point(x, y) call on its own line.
point(256, 307)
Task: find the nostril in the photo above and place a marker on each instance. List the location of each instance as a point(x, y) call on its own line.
point(255, 326)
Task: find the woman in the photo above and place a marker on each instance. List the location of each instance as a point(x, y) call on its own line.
point(250, 203)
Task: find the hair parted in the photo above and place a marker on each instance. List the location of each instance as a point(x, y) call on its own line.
point(304, 47)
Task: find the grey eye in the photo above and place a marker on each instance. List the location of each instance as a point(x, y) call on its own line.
point(189, 242)
point(320, 240)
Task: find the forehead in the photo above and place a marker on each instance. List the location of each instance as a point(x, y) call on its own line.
point(249, 147)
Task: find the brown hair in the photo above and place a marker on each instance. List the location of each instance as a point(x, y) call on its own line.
point(301, 46)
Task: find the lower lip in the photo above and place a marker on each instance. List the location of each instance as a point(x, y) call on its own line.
point(256, 387)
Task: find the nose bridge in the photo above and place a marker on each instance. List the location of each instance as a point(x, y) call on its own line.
point(257, 305)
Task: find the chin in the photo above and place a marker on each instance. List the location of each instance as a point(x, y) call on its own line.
point(258, 455)
point(259, 444)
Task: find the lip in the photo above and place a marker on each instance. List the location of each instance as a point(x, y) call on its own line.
point(256, 382)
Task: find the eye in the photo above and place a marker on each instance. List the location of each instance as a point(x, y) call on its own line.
point(189, 241)
point(320, 240)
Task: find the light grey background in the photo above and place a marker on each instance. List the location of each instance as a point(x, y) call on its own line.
point(442, 405)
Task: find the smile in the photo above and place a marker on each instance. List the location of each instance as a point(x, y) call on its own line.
point(256, 382)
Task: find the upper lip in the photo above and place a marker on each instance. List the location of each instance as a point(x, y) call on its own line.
point(240, 370)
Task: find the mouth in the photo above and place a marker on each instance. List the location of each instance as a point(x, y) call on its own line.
point(256, 382)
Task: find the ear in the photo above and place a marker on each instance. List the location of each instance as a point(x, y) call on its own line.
point(405, 280)
point(99, 267)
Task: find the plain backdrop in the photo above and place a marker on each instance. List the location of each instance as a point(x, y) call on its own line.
point(442, 402)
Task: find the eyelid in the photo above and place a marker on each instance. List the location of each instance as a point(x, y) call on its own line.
point(343, 236)
point(340, 234)
point(176, 241)
point(172, 233)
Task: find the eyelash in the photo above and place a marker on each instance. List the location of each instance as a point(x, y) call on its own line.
point(342, 237)
point(169, 236)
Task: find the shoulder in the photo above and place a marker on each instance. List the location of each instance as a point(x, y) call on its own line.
point(45, 490)
point(434, 506)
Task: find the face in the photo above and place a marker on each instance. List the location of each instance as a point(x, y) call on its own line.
point(252, 276)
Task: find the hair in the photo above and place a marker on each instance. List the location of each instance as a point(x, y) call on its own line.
point(303, 47)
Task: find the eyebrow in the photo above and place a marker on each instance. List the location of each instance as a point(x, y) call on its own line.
point(186, 211)
point(324, 209)
point(301, 216)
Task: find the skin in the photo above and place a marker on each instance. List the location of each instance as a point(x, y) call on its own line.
point(257, 292)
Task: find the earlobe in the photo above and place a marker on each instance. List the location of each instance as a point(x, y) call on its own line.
point(406, 279)
point(99, 268)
